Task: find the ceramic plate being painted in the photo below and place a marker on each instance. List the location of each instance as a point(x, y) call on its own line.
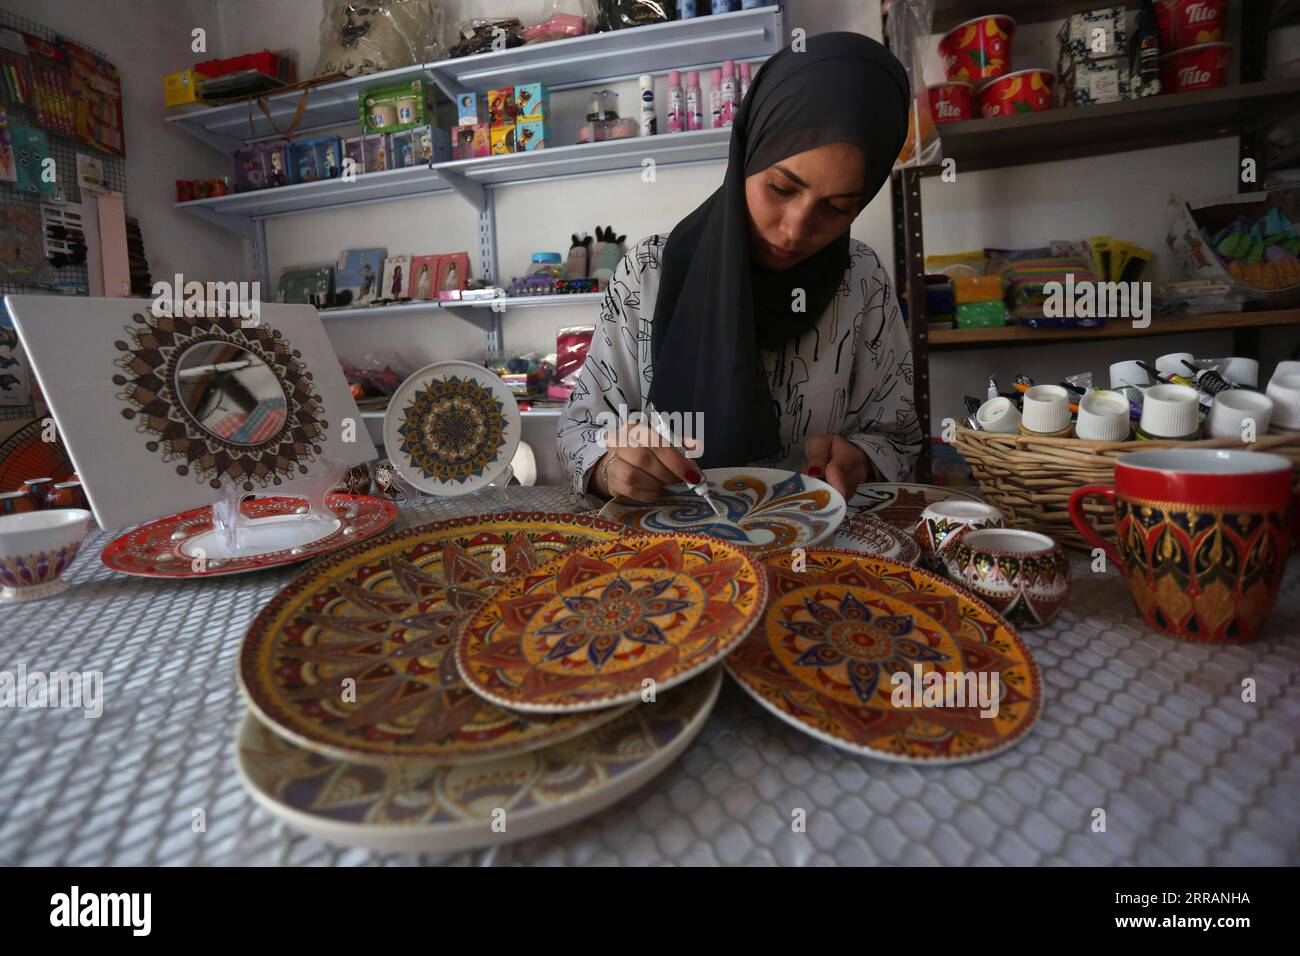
point(278, 531)
point(767, 509)
point(835, 633)
point(600, 624)
point(901, 504)
point(386, 615)
point(429, 809)
point(452, 428)
point(868, 534)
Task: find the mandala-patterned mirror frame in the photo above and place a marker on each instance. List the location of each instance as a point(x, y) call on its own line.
point(148, 362)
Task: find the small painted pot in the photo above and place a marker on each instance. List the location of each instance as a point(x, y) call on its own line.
point(35, 549)
point(66, 494)
point(944, 523)
point(1202, 67)
point(1024, 575)
point(356, 481)
point(1025, 91)
point(952, 102)
point(979, 49)
point(36, 489)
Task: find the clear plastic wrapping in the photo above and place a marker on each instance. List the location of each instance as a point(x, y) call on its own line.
point(358, 38)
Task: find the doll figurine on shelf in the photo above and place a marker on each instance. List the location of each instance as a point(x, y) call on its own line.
point(277, 168)
point(331, 167)
point(424, 283)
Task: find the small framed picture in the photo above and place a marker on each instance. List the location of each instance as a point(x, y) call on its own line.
point(397, 278)
point(424, 277)
point(453, 272)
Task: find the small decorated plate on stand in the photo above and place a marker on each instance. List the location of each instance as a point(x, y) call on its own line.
point(452, 428)
point(868, 534)
point(887, 660)
point(425, 808)
point(385, 615)
point(767, 509)
point(600, 625)
point(901, 504)
point(278, 531)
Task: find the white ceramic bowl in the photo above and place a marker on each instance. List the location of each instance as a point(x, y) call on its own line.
point(1233, 408)
point(1170, 411)
point(1046, 409)
point(1284, 390)
point(1103, 416)
point(36, 547)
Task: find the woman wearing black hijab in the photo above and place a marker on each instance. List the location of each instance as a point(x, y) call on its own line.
point(758, 310)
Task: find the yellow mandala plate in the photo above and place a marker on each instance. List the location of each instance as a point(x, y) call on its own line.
point(351, 658)
point(601, 624)
point(838, 630)
point(419, 808)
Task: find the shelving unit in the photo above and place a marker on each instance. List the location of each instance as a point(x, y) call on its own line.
point(748, 35)
point(1240, 110)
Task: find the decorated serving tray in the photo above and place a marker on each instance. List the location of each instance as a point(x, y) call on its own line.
point(767, 509)
point(604, 623)
point(429, 808)
point(839, 626)
point(868, 534)
point(379, 621)
point(186, 546)
point(452, 428)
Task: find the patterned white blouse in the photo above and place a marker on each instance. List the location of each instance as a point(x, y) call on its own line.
point(850, 374)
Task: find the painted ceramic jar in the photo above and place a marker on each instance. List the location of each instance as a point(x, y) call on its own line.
point(1024, 575)
point(943, 524)
point(356, 481)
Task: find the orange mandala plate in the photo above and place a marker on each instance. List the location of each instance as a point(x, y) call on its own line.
point(607, 622)
point(887, 660)
point(351, 659)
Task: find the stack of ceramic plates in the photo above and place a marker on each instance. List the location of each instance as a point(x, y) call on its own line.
point(486, 678)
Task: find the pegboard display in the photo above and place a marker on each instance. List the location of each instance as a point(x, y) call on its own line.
point(63, 147)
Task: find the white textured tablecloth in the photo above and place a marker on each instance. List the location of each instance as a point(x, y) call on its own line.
point(1149, 729)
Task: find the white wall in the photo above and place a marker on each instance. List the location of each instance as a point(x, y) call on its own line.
point(1125, 195)
point(146, 39)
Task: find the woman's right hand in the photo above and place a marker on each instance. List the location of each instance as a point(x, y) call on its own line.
point(639, 465)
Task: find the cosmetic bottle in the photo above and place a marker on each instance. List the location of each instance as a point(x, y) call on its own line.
point(694, 101)
point(746, 77)
point(648, 124)
point(727, 97)
point(676, 106)
point(715, 99)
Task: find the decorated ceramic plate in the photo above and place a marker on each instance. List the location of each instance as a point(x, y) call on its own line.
point(767, 509)
point(886, 660)
point(868, 534)
point(901, 504)
point(279, 533)
point(452, 428)
point(424, 808)
point(384, 616)
point(598, 626)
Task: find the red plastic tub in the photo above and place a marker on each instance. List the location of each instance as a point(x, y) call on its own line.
point(1024, 91)
point(1196, 68)
point(1185, 23)
point(979, 49)
point(952, 102)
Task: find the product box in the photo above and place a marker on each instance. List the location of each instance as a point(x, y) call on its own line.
point(313, 285)
point(420, 147)
point(275, 163)
point(535, 134)
point(313, 159)
point(1099, 81)
point(370, 153)
point(472, 141)
point(532, 102)
point(390, 109)
point(357, 276)
point(469, 110)
point(1093, 35)
point(264, 61)
point(182, 89)
point(248, 169)
point(503, 140)
point(502, 109)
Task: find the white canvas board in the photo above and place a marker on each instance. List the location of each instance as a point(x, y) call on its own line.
point(160, 414)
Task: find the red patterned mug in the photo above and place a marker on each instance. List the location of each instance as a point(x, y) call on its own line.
point(1203, 537)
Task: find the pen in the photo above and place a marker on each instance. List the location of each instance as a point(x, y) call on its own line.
point(701, 488)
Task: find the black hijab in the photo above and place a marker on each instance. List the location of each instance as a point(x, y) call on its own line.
point(716, 310)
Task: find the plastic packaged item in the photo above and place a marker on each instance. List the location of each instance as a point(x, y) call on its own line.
point(620, 14)
point(547, 264)
point(482, 36)
point(957, 264)
point(359, 37)
point(977, 289)
point(908, 28)
point(976, 315)
point(694, 101)
point(561, 19)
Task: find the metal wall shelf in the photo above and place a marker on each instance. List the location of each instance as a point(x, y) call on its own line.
point(499, 304)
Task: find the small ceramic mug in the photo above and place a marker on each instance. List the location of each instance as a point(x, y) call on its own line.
point(943, 523)
point(1024, 575)
point(36, 547)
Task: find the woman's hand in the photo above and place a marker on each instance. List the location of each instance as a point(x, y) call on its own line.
point(838, 462)
point(639, 465)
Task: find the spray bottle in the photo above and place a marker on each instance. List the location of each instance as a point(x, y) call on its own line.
point(746, 77)
point(715, 99)
point(728, 95)
point(676, 108)
point(694, 101)
point(648, 124)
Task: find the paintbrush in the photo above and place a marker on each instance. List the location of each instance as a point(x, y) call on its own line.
point(701, 488)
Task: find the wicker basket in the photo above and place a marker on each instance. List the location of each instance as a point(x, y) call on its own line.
point(1030, 479)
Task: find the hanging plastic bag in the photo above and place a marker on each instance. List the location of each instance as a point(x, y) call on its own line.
point(907, 29)
point(619, 14)
point(358, 38)
point(561, 19)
